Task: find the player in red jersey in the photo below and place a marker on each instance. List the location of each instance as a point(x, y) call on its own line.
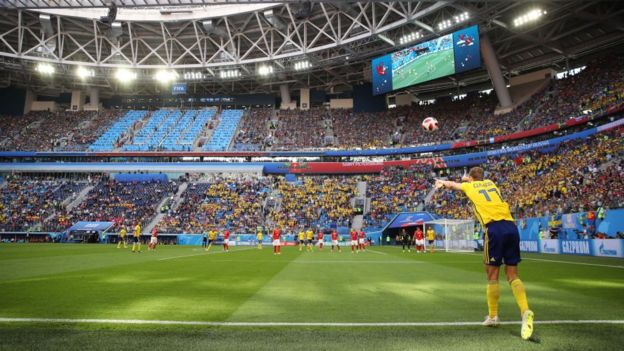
point(319, 238)
point(276, 242)
point(419, 240)
point(153, 240)
point(334, 239)
point(226, 240)
point(362, 240)
point(354, 241)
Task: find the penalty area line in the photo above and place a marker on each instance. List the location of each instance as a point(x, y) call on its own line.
point(201, 254)
point(287, 324)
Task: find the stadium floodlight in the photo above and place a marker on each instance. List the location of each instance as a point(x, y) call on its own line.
point(45, 68)
point(407, 38)
point(444, 24)
point(193, 76)
point(265, 70)
point(461, 17)
point(125, 75)
point(165, 76)
point(84, 73)
point(301, 65)
point(530, 16)
point(229, 74)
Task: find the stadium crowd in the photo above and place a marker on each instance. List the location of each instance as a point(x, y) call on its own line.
point(54, 131)
point(396, 190)
point(563, 181)
point(234, 203)
point(300, 129)
point(124, 203)
point(28, 202)
point(254, 130)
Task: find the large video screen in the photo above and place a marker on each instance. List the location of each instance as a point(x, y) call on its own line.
point(449, 54)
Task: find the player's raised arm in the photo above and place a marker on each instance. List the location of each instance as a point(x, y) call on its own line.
point(439, 183)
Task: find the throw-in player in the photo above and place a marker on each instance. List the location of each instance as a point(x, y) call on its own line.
point(501, 243)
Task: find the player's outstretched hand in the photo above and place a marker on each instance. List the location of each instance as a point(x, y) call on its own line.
point(439, 183)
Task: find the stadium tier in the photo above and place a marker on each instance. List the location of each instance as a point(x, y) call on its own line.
point(471, 118)
point(537, 184)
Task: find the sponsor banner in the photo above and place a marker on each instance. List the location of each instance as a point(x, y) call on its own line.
point(529, 246)
point(357, 167)
point(550, 246)
point(608, 247)
point(576, 247)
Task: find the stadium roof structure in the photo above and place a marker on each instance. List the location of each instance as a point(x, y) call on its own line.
point(337, 39)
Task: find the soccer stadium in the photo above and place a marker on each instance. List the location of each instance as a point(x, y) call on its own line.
point(296, 175)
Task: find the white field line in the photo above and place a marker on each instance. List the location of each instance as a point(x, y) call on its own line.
point(288, 324)
point(375, 252)
point(358, 261)
point(553, 261)
point(202, 254)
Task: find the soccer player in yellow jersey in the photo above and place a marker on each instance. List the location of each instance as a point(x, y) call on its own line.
point(212, 236)
point(136, 244)
point(310, 238)
point(431, 239)
point(501, 243)
point(302, 236)
point(122, 238)
point(259, 238)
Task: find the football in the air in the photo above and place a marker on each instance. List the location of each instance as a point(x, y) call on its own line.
point(430, 124)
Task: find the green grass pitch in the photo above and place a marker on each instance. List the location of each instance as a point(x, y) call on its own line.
point(382, 285)
point(416, 71)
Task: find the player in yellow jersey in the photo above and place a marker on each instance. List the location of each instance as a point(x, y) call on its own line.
point(309, 239)
point(212, 236)
point(302, 237)
point(122, 238)
point(431, 239)
point(501, 243)
point(259, 238)
point(136, 244)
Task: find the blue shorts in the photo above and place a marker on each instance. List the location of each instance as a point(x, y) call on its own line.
point(501, 244)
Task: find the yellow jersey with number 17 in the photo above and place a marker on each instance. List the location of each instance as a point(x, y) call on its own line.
point(487, 202)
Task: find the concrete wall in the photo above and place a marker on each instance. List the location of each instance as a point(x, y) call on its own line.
point(341, 103)
point(532, 77)
point(304, 96)
point(404, 99)
point(44, 106)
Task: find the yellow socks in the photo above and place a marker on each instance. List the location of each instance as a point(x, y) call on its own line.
point(493, 294)
point(517, 287)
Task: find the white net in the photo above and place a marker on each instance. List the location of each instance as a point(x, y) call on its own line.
point(455, 234)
